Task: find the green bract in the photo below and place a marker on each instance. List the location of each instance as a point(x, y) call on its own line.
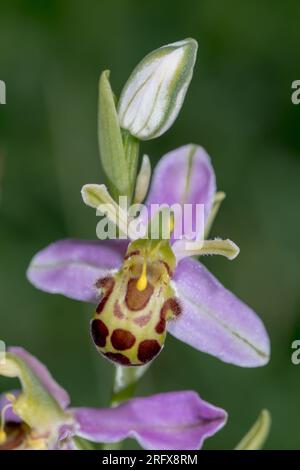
point(257, 435)
point(118, 157)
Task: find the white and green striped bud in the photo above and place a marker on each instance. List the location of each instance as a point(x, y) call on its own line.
point(155, 91)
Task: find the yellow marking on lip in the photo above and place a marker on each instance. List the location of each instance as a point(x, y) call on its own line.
point(142, 281)
point(3, 436)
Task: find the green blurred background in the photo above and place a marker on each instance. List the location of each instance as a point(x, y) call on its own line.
point(238, 107)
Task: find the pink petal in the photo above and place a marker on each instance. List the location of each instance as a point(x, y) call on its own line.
point(72, 267)
point(184, 176)
point(168, 421)
point(215, 321)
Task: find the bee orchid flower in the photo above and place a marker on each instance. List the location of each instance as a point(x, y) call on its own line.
point(39, 416)
point(147, 287)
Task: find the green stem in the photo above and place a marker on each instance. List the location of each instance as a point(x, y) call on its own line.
point(131, 149)
point(125, 383)
point(83, 444)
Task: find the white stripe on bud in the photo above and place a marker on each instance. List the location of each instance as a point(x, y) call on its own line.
point(155, 91)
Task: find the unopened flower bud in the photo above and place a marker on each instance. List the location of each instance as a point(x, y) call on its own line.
point(155, 91)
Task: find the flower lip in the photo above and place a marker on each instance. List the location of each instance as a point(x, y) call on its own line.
point(129, 325)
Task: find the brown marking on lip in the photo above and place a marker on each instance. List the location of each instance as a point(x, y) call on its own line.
point(170, 273)
point(132, 253)
point(122, 339)
point(170, 304)
point(99, 332)
point(16, 433)
point(148, 349)
point(135, 299)
point(143, 320)
point(117, 311)
point(118, 358)
point(107, 284)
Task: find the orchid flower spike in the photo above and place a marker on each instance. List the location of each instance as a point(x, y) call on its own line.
point(144, 287)
point(39, 416)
